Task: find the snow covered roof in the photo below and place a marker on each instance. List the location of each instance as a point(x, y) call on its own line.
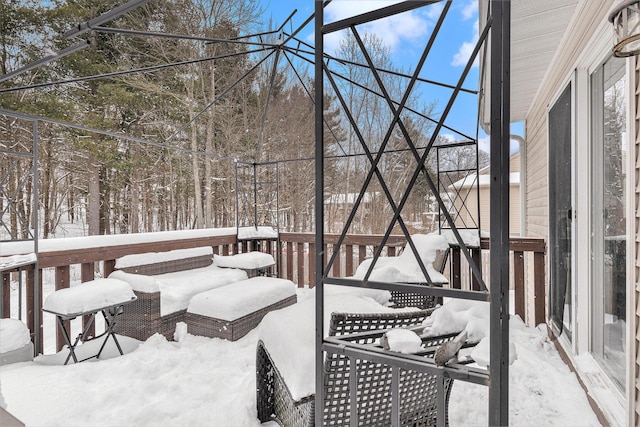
point(349, 198)
point(471, 180)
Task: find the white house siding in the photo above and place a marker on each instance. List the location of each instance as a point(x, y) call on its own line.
point(588, 29)
point(590, 15)
point(536, 191)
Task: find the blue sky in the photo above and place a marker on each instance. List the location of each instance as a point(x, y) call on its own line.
point(406, 34)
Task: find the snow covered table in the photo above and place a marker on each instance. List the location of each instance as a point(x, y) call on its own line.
point(106, 296)
point(232, 311)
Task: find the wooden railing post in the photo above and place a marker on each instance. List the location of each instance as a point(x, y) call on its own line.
point(32, 288)
point(337, 263)
point(476, 256)
point(538, 287)
point(5, 310)
point(519, 284)
point(301, 275)
point(87, 274)
point(349, 260)
point(109, 266)
point(289, 261)
point(312, 265)
point(456, 269)
point(62, 282)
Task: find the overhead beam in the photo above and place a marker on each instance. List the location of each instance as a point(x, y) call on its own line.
point(376, 14)
point(105, 17)
point(40, 62)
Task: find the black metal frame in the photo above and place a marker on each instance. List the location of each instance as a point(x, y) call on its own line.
point(257, 195)
point(497, 375)
point(500, 39)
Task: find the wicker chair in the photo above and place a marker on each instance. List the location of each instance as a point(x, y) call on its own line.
point(418, 391)
point(404, 299)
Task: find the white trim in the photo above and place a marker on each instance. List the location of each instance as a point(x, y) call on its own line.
point(631, 244)
point(582, 204)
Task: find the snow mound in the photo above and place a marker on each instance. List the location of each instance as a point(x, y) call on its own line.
point(13, 335)
point(405, 268)
point(403, 341)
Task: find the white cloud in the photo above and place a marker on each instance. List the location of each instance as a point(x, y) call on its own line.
point(470, 10)
point(393, 31)
point(463, 54)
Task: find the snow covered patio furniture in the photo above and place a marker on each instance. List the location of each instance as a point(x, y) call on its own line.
point(253, 263)
point(433, 250)
point(285, 360)
point(15, 342)
point(106, 296)
point(164, 284)
point(231, 311)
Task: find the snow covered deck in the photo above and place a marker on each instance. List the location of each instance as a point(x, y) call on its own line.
point(208, 381)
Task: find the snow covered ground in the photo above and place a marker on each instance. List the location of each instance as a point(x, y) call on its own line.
point(199, 381)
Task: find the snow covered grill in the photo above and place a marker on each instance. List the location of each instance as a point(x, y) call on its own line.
point(231, 311)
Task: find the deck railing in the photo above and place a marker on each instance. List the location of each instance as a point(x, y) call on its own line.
point(527, 265)
point(296, 261)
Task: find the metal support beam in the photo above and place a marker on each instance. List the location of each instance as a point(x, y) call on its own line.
point(499, 208)
point(376, 14)
point(43, 61)
point(37, 338)
point(105, 17)
point(319, 208)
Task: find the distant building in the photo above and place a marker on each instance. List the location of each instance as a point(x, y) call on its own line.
point(464, 191)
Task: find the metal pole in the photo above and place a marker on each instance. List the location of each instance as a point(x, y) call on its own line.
point(36, 232)
point(499, 219)
point(237, 202)
point(319, 207)
point(255, 196)
point(278, 243)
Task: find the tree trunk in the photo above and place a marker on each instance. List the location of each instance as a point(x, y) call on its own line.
point(194, 163)
point(93, 198)
point(134, 213)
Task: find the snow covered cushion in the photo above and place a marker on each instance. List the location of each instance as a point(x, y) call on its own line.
point(177, 288)
point(88, 296)
point(405, 268)
point(260, 232)
point(239, 299)
point(138, 282)
point(291, 331)
point(247, 261)
point(158, 257)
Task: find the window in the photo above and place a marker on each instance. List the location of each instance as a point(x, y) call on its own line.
point(609, 230)
point(560, 212)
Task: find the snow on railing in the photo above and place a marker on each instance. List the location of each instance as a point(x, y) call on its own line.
point(81, 259)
